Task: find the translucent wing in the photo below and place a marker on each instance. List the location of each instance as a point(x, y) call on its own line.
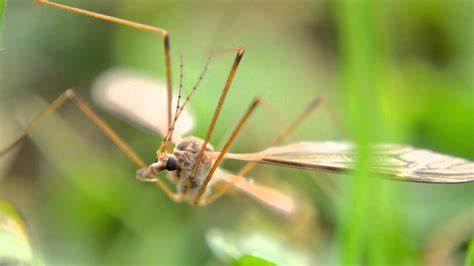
point(139, 98)
point(268, 196)
point(397, 161)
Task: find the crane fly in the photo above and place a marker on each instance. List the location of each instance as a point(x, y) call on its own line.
point(192, 163)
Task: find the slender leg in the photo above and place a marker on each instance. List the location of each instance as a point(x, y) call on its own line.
point(284, 133)
point(240, 52)
point(132, 24)
point(270, 111)
point(109, 132)
point(225, 149)
point(334, 116)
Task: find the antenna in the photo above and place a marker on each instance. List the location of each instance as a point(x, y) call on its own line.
point(179, 110)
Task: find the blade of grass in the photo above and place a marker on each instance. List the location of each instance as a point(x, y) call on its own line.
point(2, 12)
point(388, 243)
point(371, 225)
point(357, 65)
point(470, 252)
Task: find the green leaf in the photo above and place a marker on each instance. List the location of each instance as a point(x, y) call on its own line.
point(250, 260)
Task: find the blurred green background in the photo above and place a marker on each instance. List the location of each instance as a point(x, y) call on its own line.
point(396, 71)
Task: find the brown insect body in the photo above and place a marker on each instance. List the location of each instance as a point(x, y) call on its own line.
point(180, 164)
point(186, 153)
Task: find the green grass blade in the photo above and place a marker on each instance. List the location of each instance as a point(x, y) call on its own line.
point(356, 66)
point(2, 12)
point(470, 253)
point(365, 228)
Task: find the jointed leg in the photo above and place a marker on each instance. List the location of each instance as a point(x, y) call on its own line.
point(132, 24)
point(225, 149)
point(240, 52)
point(270, 111)
point(34, 122)
point(334, 116)
point(287, 131)
point(109, 132)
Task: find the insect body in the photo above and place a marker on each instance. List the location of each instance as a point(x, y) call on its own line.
point(142, 100)
point(179, 165)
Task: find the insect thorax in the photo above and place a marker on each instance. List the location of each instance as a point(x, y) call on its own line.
point(186, 152)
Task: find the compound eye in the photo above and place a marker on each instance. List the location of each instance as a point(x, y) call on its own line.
point(171, 164)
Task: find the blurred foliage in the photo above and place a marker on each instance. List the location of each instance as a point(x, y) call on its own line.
point(396, 71)
point(248, 247)
point(249, 260)
point(14, 238)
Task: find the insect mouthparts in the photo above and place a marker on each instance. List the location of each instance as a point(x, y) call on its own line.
point(146, 174)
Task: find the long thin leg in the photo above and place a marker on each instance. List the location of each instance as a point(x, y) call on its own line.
point(132, 24)
point(109, 132)
point(226, 148)
point(287, 131)
point(270, 111)
point(329, 108)
point(238, 57)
